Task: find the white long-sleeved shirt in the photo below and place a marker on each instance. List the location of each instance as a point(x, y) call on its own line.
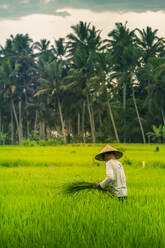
point(115, 177)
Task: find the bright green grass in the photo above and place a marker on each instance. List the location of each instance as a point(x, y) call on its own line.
point(80, 155)
point(34, 213)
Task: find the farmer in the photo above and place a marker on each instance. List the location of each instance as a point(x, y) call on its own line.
point(157, 149)
point(115, 176)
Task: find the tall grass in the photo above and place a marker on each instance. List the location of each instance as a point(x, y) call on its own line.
point(78, 155)
point(33, 214)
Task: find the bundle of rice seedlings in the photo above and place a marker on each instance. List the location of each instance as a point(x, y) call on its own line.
point(75, 187)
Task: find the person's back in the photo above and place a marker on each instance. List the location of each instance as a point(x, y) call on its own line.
point(119, 182)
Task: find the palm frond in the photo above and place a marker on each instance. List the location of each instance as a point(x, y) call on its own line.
point(40, 92)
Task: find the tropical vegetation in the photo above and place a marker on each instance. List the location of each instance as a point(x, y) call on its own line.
point(83, 88)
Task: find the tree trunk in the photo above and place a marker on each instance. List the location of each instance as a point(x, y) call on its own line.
point(20, 122)
point(16, 120)
point(27, 117)
point(100, 120)
point(36, 120)
point(93, 121)
point(28, 129)
point(124, 95)
point(78, 125)
point(41, 136)
point(42, 129)
point(90, 119)
point(48, 132)
point(124, 108)
point(83, 122)
point(2, 127)
point(61, 118)
point(113, 121)
point(0, 121)
point(12, 127)
point(138, 116)
point(163, 117)
point(15, 114)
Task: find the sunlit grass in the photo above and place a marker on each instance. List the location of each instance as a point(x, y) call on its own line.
point(34, 212)
point(80, 155)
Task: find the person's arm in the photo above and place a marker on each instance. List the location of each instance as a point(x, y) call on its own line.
point(109, 176)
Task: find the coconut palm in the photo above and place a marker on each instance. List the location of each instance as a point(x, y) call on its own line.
point(51, 84)
point(59, 49)
point(133, 55)
point(19, 69)
point(158, 89)
point(150, 43)
point(80, 75)
point(42, 46)
point(82, 46)
point(84, 37)
point(7, 79)
point(125, 55)
point(156, 86)
point(104, 86)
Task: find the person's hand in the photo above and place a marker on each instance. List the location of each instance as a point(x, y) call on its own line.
point(97, 186)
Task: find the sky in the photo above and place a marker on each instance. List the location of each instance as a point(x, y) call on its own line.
point(52, 19)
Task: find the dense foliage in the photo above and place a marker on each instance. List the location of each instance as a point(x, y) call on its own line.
point(83, 88)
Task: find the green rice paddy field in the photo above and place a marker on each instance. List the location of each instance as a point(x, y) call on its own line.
point(35, 213)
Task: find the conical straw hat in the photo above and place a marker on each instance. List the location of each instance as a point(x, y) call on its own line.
point(107, 148)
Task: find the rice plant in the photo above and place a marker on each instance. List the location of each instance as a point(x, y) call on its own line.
point(32, 215)
point(75, 187)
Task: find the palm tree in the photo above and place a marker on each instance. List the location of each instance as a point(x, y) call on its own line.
point(120, 45)
point(42, 46)
point(84, 37)
point(19, 69)
point(43, 58)
point(44, 50)
point(51, 84)
point(149, 42)
point(82, 46)
point(138, 115)
point(104, 86)
point(133, 55)
point(80, 74)
point(156, 87)
point(59, 49)
point(7, 76)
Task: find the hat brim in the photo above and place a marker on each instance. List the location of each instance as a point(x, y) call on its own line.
point(100, 156)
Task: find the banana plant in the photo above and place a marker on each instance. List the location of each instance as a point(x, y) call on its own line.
point(157, 133)
point(163, 134)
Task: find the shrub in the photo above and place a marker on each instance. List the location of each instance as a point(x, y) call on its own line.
point(36, 137)
point(61, 141)
point(28, 142)
point(42, 143)
point(57, 141)
point(52, 142)
point(33, 143)
point(126, 161)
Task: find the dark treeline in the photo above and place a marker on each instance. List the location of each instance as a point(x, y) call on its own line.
point(83, 87)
